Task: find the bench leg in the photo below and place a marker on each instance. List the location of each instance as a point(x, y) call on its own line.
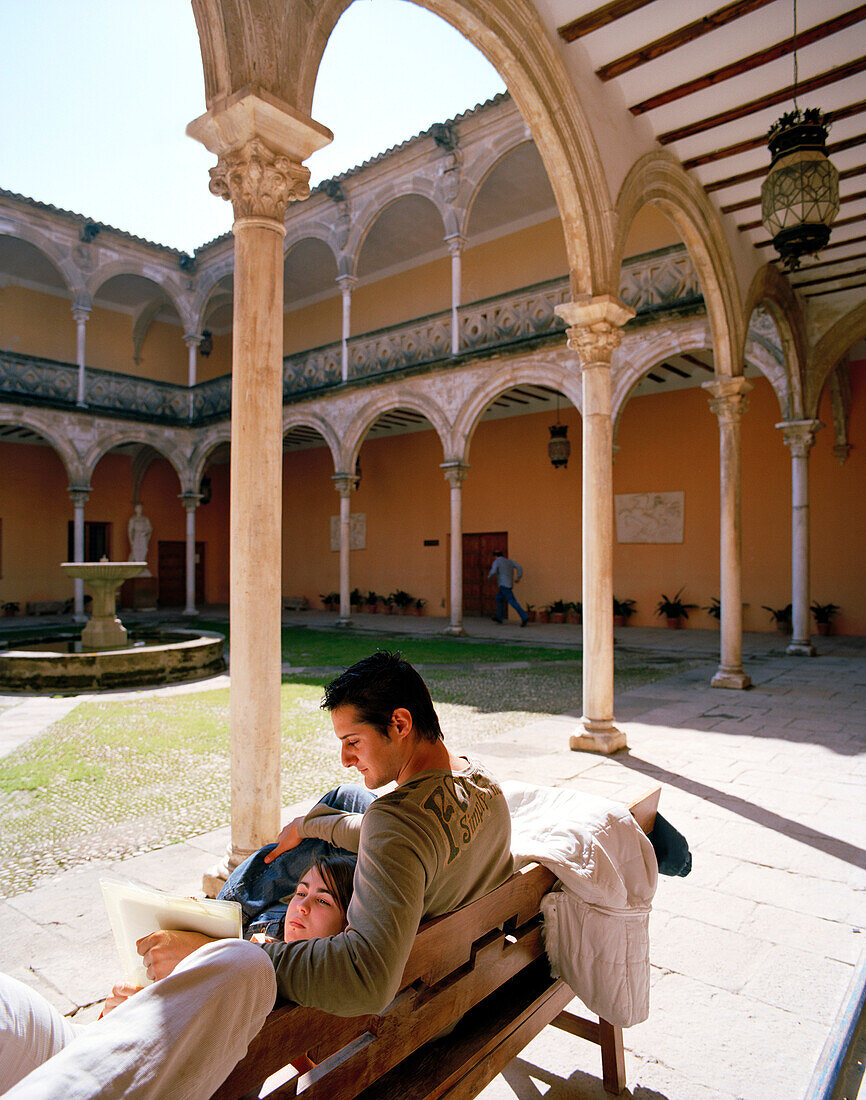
point(612, 1057)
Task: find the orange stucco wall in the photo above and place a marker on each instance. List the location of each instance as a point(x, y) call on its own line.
point(314, 325)
point(402, 297)
point(520, 259)
point(32, 323)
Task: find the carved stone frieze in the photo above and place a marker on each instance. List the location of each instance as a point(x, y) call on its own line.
point(259, 182)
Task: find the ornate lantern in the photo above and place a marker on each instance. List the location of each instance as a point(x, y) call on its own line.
point(800, 196)
point(559, 446)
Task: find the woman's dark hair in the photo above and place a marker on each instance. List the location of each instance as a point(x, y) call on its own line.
point(338, 874)
point(376, 686)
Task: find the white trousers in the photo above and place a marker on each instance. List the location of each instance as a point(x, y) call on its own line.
point(179, 1038)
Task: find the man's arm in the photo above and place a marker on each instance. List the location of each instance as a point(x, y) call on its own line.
point(337, 827)
point(359, 970)
point(518, 571)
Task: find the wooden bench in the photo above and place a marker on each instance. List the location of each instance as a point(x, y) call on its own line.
point(295, 603)
point(480, 974)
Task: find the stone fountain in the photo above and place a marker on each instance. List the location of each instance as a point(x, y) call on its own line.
point(103, 578)
point(106, 656)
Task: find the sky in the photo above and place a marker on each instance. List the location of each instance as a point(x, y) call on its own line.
point(95, 96)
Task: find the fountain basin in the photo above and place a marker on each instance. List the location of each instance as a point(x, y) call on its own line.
point(154, 658)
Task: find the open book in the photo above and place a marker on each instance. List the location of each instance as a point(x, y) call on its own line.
point(136, 911)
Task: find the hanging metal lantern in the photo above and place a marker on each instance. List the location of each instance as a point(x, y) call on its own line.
point(559, 446)
point(800, 196)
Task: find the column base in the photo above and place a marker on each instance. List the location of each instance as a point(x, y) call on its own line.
point(801, 649)
point(344, 622)
point(190, 611)
point(212, 881)
point(731, 678)
point(597, 736)
point(455, 631)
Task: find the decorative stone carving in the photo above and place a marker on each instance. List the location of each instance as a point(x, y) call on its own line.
point(595, 325)
point(259, 182)
point(649, 517)
point(139, 530)
point(839, 386)
point(357, 531)
point(799, 435)
point(728, 399)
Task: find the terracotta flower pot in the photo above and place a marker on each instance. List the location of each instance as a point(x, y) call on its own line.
point(824, 628)
point(619, 620)
point(572, 617)
point(674, 624)
point(543, 616)
point(557, 617)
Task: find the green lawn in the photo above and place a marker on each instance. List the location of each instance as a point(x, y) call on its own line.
point(119, 777)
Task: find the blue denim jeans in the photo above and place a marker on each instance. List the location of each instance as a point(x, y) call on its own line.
point(506, 596)
point(258, 886)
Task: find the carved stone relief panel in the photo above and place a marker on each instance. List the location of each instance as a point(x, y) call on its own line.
point(649, 517)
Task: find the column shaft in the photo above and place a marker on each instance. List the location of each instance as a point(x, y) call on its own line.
point(799, 436)
point(81, 316)
point(79, 499)
point(192, 343)
point(455, 246)
point(190, 503)
point(728, 402)
point(455, 474)
point(345, 484)
point(256, 520)
point(346, 283)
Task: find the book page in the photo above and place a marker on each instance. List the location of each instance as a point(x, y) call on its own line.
point(137, 911)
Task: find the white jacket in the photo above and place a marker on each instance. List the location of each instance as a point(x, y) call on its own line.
point(597, 925)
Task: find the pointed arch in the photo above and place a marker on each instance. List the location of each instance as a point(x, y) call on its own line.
point(770, 289)
point(829, 350)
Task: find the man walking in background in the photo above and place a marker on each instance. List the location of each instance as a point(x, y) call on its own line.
point(504, 570)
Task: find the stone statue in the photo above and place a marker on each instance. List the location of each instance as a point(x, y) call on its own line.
point(139, 530)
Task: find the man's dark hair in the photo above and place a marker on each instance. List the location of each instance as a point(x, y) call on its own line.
point(498, 554)
point(375, 686)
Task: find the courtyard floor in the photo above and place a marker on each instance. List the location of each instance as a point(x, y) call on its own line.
point(752, 953)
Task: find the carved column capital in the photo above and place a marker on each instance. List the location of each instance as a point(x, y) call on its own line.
point(190, 501)
point(594, 327)
point(345, 484)
point(799, 435)
point(455, 244)
point(455, 472)
point(81, 314)
point(191, 339)
point(259, 182)
point(79, 495)
point(346, 283)
point(728, 398)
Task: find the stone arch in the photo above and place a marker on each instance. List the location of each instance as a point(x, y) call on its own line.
point(165, 282)
point(54, 433)
point(365, 219)
point(70, 274)
point(658, 178)
point(639, 352)
point(384, 402)
point(281, 52)
point(828, 351)
point(299, 417)
point(116, 436)
point(770, 289)
point(524, 370)
point(477, 174)
point(215, 437)
point(207, 283)
point(316, 231)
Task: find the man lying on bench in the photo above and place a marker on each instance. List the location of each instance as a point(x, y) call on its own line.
point(441, 838)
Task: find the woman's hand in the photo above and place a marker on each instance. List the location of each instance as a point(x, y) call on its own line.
point(119, 993)
point(289, 838)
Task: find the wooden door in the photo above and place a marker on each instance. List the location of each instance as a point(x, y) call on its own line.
point(171, 572)
point(479, 593)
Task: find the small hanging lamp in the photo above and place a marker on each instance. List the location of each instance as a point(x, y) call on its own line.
point(800, 195)
point(559, 445)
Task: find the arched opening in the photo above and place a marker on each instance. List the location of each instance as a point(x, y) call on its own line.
point(311, 297)
point(217, 319)
point(135, 328)
point(35, 318)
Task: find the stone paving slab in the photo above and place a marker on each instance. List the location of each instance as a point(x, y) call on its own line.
point(751, 953)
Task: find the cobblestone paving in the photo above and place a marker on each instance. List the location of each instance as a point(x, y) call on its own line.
point(119, 778)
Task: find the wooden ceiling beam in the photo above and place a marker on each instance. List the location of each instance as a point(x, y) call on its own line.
point(758, 173)
point(834, 290)
point(733, 207)
point(753, 61)
point(831, 278)
point(822, 80)
point(834, 263)
point(601, 17)
point(756, 142)
point(697, 363)
point(840, 244)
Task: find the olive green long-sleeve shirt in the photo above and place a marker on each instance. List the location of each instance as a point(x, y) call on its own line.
point(437, 841)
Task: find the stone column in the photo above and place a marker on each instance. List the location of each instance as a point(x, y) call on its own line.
point(455, 475)
point(455, 247)
point(345, 484)
point(260, 144)
point(81, 314)
point(192, 342)
point(594, 333)
point(799, 435)
point(80, 496)
point(346, 283)
point(728, 401)
point(190, 503)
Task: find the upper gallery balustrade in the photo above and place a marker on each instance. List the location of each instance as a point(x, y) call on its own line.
point(661, 281)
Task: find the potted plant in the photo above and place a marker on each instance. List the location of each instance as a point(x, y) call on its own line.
point(530, 612)
point(714, 610)
point(622, 611)
point(355, 600)
point(403, 600)
point(387, 604)
point(371, 601)
point(331, 601)
point(573, 612)
point(543, 615)
point(674, 610)
point(556, 611)
point(418, 606)
point(824, 614)
point(10, 608)
point(781, 616)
